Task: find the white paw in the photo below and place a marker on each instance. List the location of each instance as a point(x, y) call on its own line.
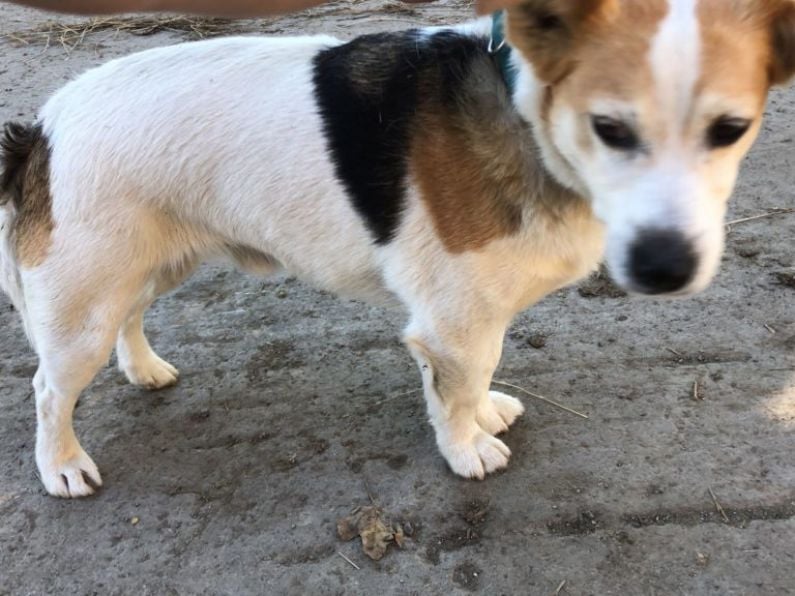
point(152, 372)
point(477, 456)
point(496, 414)
point(72, 476)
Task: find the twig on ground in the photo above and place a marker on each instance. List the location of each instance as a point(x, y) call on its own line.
point(369, 492)
point(770, 213)
point(717, 506)
point(354, 565)
point(769, 328)
point(560, 587)
point(696, 395)
point(402, 394)
point(542, 398)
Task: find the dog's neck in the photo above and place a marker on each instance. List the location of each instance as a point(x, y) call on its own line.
point(529, 95)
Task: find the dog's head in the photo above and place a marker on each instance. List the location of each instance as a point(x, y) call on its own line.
point(648, 107)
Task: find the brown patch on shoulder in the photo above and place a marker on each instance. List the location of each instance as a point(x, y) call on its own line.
point(477, 176)
point(468, 209)
point(26, 180)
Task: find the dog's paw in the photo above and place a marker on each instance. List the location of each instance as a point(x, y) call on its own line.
point(75, 476)
point(476, 457)
point(151, 372)
point(498, 412)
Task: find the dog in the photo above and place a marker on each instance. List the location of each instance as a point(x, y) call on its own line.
point(450, 170)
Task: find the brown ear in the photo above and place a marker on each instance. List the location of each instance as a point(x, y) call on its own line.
point(782, 67)
point(546, 31)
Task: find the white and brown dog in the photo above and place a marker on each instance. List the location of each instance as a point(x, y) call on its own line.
point(426, 167)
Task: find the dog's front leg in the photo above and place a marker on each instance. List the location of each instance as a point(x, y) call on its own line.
point(457, 362)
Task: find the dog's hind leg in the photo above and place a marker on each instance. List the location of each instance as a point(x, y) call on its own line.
point(77, 300)
point(136, 358)
point(457, 360)
point(67, 364)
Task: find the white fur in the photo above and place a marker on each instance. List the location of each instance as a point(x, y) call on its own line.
point(528, 98)
point(9, 272)
point(10, 281)
point(676, 62)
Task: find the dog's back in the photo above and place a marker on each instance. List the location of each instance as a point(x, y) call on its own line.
point(220, 135)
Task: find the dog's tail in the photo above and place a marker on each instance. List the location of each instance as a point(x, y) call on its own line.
point(16, 144)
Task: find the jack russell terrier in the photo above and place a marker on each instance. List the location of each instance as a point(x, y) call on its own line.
point(462, 172)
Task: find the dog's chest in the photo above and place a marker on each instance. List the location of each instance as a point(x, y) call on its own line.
point(545, 256)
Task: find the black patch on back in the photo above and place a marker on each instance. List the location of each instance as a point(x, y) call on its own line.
point(369, 92)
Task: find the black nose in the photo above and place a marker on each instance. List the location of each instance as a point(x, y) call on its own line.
point(661, 261)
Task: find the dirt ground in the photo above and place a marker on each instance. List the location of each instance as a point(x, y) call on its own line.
point(223, 485)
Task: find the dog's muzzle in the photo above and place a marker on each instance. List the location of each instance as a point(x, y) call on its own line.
point(661, 262)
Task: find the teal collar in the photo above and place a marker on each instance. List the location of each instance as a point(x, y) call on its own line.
point(499, 48)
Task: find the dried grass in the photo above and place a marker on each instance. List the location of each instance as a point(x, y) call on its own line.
point(71, 35)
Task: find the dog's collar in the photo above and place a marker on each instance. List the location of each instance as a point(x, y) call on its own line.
point(499, 48)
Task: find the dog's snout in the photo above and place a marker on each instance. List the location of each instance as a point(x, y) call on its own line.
point(661, 261)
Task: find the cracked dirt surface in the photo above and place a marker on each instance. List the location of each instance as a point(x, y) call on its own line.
point(235, 489)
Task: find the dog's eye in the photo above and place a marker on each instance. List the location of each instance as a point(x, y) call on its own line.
point(615, 133)
point(726, 131)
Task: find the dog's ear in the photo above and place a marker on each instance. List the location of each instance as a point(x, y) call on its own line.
point(782, 67)
point(546, 31)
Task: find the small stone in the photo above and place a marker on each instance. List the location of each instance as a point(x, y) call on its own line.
point(624, 538)
point(785, 278)
point(537, 340)
point(748, 252)
point(134, 521)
